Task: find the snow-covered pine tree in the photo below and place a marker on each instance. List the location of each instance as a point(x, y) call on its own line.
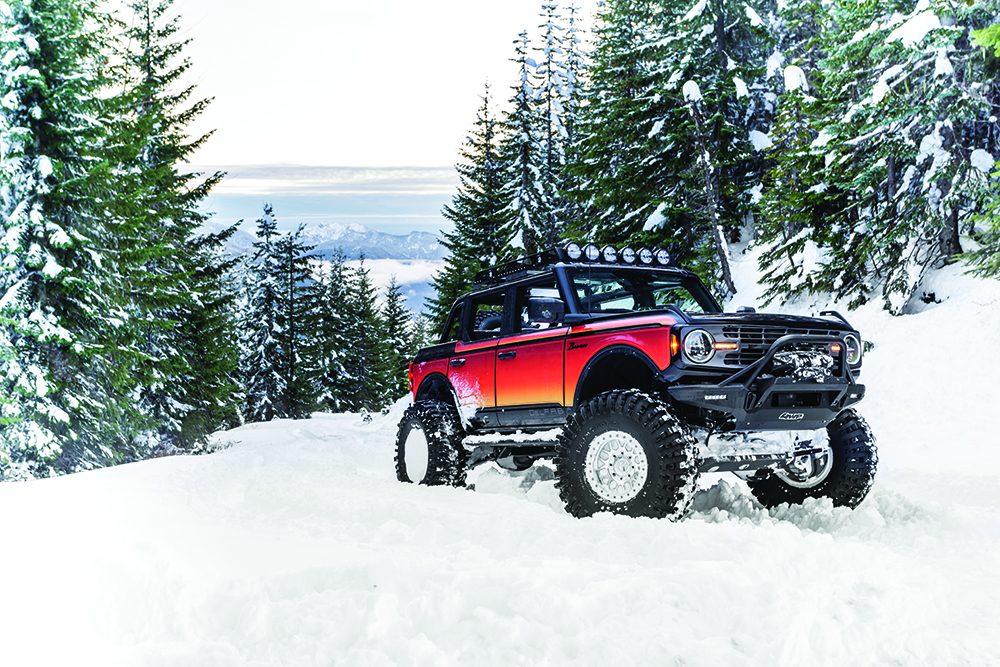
point(480, 211)
point(520, 154)
point(985, 259)
point(398, 334)
point(363, 385)
point(569, 211)
point(294, 274)
point(58, 301)
point(900, 110)
point(260, 365)
point(170, 272)
point(327, 338)
point(551, 94)
point(706, 146)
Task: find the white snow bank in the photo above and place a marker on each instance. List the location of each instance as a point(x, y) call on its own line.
point(295, 545)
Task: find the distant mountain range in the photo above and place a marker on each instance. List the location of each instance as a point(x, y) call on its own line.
point(353, 240)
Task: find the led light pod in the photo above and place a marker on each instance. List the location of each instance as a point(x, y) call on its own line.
point(591, 252)
point(574, 251)
point(610, 254)
point(662, 257)
point(627, 255)
point(646, 256)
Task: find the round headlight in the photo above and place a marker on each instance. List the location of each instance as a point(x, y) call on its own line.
point(699, 346)
point(627, 255)
point(591, 252)
point(646, 256)
point(574, 251)
point(854, 349)
point(662, 257)
point(610, 254)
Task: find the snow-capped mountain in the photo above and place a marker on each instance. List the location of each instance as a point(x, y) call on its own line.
point(354, 240)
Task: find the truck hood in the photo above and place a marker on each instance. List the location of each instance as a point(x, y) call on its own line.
point(771, 320)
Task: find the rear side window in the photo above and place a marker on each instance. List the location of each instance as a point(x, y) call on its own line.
point(454, 325)
point(487, 315)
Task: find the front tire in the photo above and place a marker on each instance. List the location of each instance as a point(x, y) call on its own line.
point(623, 452)
point(429, 446)
point(846, 478)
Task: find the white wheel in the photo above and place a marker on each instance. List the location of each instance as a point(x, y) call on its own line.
point(416, 454)
point(616, 466)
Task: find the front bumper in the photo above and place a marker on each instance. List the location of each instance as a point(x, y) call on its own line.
point(757, 401)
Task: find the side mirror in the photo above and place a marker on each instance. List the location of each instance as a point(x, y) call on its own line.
point(543, 309)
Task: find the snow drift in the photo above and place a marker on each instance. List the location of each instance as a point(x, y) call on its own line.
point(295, 545)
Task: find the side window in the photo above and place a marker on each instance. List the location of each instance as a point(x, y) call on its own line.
point(454, 325)
point(537, 293)
point(487, 315)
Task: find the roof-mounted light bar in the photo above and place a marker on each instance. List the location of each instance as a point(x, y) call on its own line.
point(611, 255)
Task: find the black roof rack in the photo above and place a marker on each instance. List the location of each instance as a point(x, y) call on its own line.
point(521, 266)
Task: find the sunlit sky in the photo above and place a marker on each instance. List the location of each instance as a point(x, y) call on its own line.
point(366, 87)
point(335, 83)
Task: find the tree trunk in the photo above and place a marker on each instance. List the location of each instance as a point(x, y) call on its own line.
point(711, 198)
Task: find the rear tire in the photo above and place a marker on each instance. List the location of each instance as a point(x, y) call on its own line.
point(846, 479)
point(429, 446)
point(623, 452)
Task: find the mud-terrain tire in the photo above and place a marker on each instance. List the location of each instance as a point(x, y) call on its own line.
point(850, 475)
point(429, 446)
point(623, 452)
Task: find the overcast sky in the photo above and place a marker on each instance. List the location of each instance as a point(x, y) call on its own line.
point(348, 83)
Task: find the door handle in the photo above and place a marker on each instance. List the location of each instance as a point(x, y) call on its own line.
point(457, 362)
point(506, 355)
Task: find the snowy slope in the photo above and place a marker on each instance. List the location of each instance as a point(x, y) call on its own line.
point(296, 546)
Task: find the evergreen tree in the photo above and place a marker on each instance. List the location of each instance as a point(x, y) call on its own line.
point(519, 151)
point(327, 342)
point(277, 378)
point(59, 303)
point(363, 384)
point(481, 214)
point(611, 165)
point(293, 277)
point(398, 336)
point(261, 362)
point(171, 273)
point(897, 111)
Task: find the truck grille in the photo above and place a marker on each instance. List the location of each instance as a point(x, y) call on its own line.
point(754, 341)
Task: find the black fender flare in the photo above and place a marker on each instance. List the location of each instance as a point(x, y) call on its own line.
point(610, 351)
point(435, 386)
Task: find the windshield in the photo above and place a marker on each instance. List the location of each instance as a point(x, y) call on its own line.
point(623, 290)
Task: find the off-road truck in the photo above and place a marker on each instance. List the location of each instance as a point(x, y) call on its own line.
point(624, 370)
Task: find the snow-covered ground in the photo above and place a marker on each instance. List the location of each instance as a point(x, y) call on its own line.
point(295, 545)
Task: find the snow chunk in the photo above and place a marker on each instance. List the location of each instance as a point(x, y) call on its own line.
point(760, 140)
point(915, 29)
point(943, 66)
point(692, 93)
point(698, 8)
point(982, 160)
point(774, 62)
point(741, 87)
point(881, 87)
point(822, 140)
point(795, 79)
point(657, 126)
point(655, 219)
point(754, 17)
point(44, 166)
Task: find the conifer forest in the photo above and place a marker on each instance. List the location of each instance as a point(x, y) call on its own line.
point(854, 141)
